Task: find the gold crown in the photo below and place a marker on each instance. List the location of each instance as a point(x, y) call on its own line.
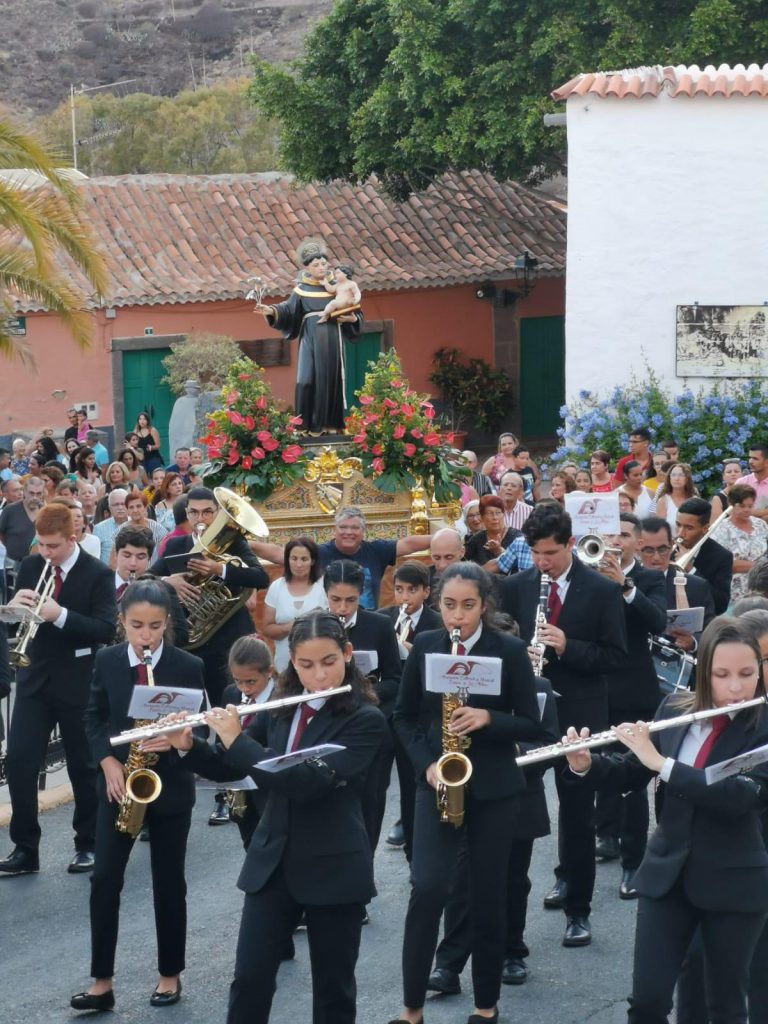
point(310, 249)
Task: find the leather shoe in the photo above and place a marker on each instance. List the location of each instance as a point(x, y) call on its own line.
point(475, 1018)
point(555, 898)
point(626, 890)
point(20, 862)
point(396, 835)
point(577, 931)
point(166, 998)
point(444, 980)
point(86, 1001)
point(220, 814)
point(515, 971)
point(82, 861)
point(607, 848)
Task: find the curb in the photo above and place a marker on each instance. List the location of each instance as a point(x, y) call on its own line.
point(47, 799)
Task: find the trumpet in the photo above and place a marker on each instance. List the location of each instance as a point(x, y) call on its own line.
point(604, 739)
point(591, 549)
point(30, 618)
point(148, 732)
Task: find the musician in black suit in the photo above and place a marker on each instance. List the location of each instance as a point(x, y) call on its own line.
point(310, 851)
point(344, 582)
point(78, 617)
point(633, 692)
point(144, 615)
point(493, 724)
point(706, 864)
point(133, 549)
point(6, 676)
point(713, 562)
point(586, 639)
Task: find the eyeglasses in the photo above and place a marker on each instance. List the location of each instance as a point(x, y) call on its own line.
point(663, 550)
point(194, 513)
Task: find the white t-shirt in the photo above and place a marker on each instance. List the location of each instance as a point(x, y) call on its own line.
point(287, 607)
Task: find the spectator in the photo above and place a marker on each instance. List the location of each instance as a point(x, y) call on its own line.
point(471, 520)
point(53, 476)
point(656, 475)
point(571, 468)
point(639, 445)
point(678, 488)
point(87, 469)
point(626, 502)
point(633, 485)
point(118, 516)
point(17, 521)
point(171, 488)
point(5, 464)
point(671, 449)
point(67, 490)
point(19, 462)
point(479, 481)
point(181, 466)
point(503, 460)
point(36, 463)
point(757, 478)
point(731, 474)
point(149, 442)
point(599, 464)
point(155, 480)
point(71, 431)
point(116, 475)
point(583, 481)
point(11, 491)
point(560, 485)
point(83, 426)
point(85, 538)
point(136, 476)
point(136, 506)
point(495, 536)
point(182, 526)
point(743, 535)
point(101, 453)
point(512, 494)
point(45, 446)
point(87, 495)
point(71, 450)
point(522, 464)
point(299, 590)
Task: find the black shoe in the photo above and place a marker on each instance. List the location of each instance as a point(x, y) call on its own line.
point(144, 834)
point(626, 890)
point(555, 898)
point(396, 835)
point(577, 931)
point(445, 981)
point(20, 862)
point(220, 814)
point(607, 848)
point(166, 998)
point(85, 1001)
point(515, 971)
point(82, 861)
point(475, 1018)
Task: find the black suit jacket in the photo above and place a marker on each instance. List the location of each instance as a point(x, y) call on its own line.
point(635, 684)
point(532, 815)
point(254, 798)
point(372, 632)
point(429, 618)
point(514, 713)
point(715, 564)
point(313, 820)
point(709, 835)
point(107, 715)
point(62, 659)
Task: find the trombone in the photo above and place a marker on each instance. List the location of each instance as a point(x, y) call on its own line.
point(29, 618)
point(684, 562)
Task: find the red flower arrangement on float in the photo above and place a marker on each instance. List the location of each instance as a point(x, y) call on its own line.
point(395, 437)
point(251, 443)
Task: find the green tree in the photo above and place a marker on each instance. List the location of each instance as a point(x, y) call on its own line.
point(42, 239)
point(408, 89)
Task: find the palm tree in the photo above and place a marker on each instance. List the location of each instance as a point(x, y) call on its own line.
point(47, 255)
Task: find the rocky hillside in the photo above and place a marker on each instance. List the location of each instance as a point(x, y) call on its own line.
point(166, 45)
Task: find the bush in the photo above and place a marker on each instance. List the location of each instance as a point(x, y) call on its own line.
point(203, 357)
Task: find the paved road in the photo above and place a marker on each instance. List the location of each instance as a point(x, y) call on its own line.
point(44, 944)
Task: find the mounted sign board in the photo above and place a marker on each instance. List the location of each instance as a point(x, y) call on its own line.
point(16, 325)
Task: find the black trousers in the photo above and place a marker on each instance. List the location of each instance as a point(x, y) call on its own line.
point(34, 718)
point(167, 850)
point(664, 931)
point(454, 951)
point(376, 786)
point(333, 932)
point(407, 779)
point(487, 833)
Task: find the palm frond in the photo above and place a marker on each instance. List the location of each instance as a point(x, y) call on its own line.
point(18, 149)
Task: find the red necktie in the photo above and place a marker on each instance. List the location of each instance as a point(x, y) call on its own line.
point(142, 679)
point(718, 724)
point(554, 604)
point(247, 719)
point(305, 717)
point(120, 591)
point(461, 649)
point(59, 580)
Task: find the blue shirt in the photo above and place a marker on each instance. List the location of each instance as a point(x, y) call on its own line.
point(517, 555)
point(373, 557)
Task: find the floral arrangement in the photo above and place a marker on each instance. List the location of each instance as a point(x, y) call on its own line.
point(395, 436)
point(251, 442)
point(709, 425)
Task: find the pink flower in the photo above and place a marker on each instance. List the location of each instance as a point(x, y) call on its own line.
point(416, 433)
point(359, 438)
point(234, 456)
point(263, 435)
point(247, 462)
point(234, 418)
point(270, 444)
point(377, 465)
point(397, 383)
point(398, 432)
point(248, 422)
point(406, 410)
point(429, 412)
point(366, 399)
point(377, 450)
point(231, 397)
point(214, 453)
point(257, 453)
point(370, 417)
point(394, 411)
point(409, 449)
point(432, 440)
point(295, 421)
point(389, 403)
point(449, 438)
point(291, 453)
point(431, 458)
point(261, 403)
point(243, 376)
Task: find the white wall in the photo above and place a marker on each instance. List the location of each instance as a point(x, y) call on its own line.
point(667, 205)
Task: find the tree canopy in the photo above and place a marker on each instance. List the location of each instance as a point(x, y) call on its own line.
point(408, 89)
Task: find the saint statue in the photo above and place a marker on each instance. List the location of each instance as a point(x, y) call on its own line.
point(320, 378)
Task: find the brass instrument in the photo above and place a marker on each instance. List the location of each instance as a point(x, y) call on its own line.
point(453, 768)
point(591, 549)
point(684, 562)
point(537, 644)
point(142, 784)
point(216, 603)
point(30, 618)
point(603, 739)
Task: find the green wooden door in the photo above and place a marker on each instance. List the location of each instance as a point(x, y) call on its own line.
point(143, 392)
point(357, 355)
point(542, 374)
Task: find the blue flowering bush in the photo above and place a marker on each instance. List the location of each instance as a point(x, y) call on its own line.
point(709, 425)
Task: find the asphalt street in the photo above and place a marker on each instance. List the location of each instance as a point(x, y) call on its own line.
point(44, 942)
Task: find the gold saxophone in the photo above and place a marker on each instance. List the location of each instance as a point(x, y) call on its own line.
point(453, 768)
point(142, 784)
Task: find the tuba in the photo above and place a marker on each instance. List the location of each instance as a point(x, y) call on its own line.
point(142, 784)
point(216, 603)
point(453, 768)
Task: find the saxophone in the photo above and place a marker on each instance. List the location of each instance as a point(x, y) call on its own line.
point(142, 784)
point(453, 768)
point(538, 647)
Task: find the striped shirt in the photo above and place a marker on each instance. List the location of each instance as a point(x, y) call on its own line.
point(518, 515)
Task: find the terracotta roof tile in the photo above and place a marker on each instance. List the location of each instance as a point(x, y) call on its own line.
point(676, 81)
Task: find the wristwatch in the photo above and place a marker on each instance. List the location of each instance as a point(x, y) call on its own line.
point(628, 584)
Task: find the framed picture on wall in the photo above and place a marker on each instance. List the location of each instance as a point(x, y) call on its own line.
point(722, 341)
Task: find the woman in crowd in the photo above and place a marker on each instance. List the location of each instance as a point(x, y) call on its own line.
point(71, 450)
point(571, 468)
point(67, 490)
point(599, 467)
point(497, 465)
point(87, 469)
point(299, 590)
point(136, 507)
point(116, 476)
point(743, 534)
point(470, 521)
point(493, 725)
point(45, 445)
point(19, 464)
point(731, 472)
point(155, 480)
point(310, 851)
point(656, 474)
point(136, 476)
point(583, 481)
point(560, 485)
point(144, 614)
point(149, 442)
point(85, 538)
point(171, 488)
point(679, 486)
point(488, 543)
point(53, 475)
point(706, 866)
point(633, 486)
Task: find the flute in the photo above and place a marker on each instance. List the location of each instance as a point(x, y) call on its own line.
point(603, 739)
point(148, 732)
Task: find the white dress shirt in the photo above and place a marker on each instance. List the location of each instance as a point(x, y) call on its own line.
point(134, 660)
point(316, 703)
point(66, 567)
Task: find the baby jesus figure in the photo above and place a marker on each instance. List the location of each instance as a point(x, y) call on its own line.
point(347, 294)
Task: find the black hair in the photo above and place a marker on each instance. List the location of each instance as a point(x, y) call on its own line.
point(628, 517)
point(314, 554)
point(322, 624)
point(757, 577)
point(48, 448)
point(653, 524)
point(344, 570)
point(136, 536)
point(4, 451)
point(474, 573)
point(670, 442)
point(179, 509)
point(698, 507)
point(416, 574)
point(761, 447)
point(345, 269)
point(146, 591)
point(748, 604)
point(643, 432)
point(632, 464)
point(547, 521)
point(250, 650)
point(200, 493)
point(518, 450)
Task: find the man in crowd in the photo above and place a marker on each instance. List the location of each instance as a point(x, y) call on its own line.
point(757, 478)
point(671, 449)
point(71, 430)
point(183, 457)
point(17, 521)
point(712, 561)
point(107, 528)
point(93, 441)
point(512, 493)
point(5, 464)
point(639, 451)
point(481, 483)
point(521, 464)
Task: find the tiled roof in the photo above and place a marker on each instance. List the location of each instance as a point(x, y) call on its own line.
point(676, 81)
point(175, 238)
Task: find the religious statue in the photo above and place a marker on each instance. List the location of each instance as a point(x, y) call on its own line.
point(320, 377)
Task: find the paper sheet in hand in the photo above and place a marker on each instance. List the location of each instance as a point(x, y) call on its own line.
point(152, 702)
point(593, 513)
point(278, 764)
point(739, 765)
point(178, 563)
point(689, 619)
point(366, 661)
point(447, 672)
